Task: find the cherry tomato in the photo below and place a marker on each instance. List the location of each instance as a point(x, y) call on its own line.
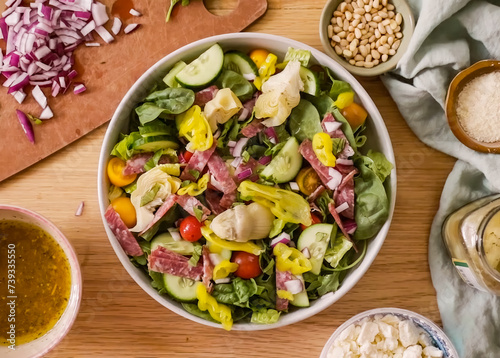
point(307, 180)
point(248, 265)
point(115, 173)
point(187, 155)
point(259, 56)
point(315, 220)
point(355, 115)
point(190, 229)
point(123, 207)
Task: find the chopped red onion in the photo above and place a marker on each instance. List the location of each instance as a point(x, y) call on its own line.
point(79, 210)
point(265, 160)
point(174, 232)
point(244, 174)
point(271, 133)
point(332, 126)
point(236, 162)
point(105, 35)
point(19, 83)
point(99, 13)
point(336, 179)
point(117, 25)
point(294, 186)
point(13, 19)
point(217, 134)
point(27, 126)
point(19, 96)
point(244, 114)
point(306, 253)
point(46, 113)
point(350, 226)
point(134, 12)
point(215, 259)
point(88, 28)
point(55, 88)
point(92, 44)
point(344, 161)
point(294, 286)
point(342, 207)
point(79, 88)
point(129, 28)
point(238, 148)
point(39, 96)
point(231, 143)
point(283, 238)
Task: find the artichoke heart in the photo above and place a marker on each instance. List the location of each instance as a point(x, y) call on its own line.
point(164, 185)
point(222, 107)
point(280, 94)
point(243, 223)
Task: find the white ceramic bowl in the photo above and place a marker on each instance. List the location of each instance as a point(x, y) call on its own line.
point(378, 138)
point(41, 346)
point(438, 337)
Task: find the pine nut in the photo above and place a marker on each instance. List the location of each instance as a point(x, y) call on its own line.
point(377, 44)
point(363, 42)
point(399, 18)
point(357, 33)
point(399, 35)
point(368, 64)
point(348, 15)
point(376, 4)
point(383, 40)
point(390, 40)
point(372, 45)
point(377, 33)
point(368, 58)
point(392, 52)
point(396, 44)
point(360, 63)
point(355, 52)
point(376, 62)
point(353, 45)
point(340, 22)
point(359, 11)
point(381, 28)
point(336, 38)
point(350, 8)
point(330, 31)
point(384, 2)
point(333, 21)
point(338, 50)
point(363, 32)
point(375, 54)
point(338, 14)
point(350, 37)
point(390, 7)
point(352, 62)
point(368, 8)
point(344, 43)
point(342, 34)
point(397, 29)
point(391, 14)
point(382, 50)
point(347, 53)
point(393, 24)
point(386, 22)
point(368, 17)
point(355, 22)
point(343, 6)
point(351, 28)
point(377, 18)
point(346, 25)
point(365, 37)
point(337, 29)
point(359, 57)
point(384, 57)
point(382, 14)
point(373, 24)
point(363, 51)
point(361, 3)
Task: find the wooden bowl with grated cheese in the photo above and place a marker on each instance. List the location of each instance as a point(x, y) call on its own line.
point(473, 106)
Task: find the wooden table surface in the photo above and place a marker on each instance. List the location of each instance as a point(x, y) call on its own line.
point(117, 319)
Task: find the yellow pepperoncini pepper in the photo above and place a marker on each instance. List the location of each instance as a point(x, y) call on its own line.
point(249, 246)
point(322, 146)
point(193, 125)
point(219, 312)
point(284, 294)
point(285, 204)
point(223, 269)
point(267, 69)
point(290, 259)
point(195, 189)
point(344, 99)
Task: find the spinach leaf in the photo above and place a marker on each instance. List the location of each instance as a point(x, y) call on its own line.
point(282, 133)
point(157, 282)
point(197, 251)
point(163, 224)
point(323, 103)
point(372, 204)
point(381, 166)
point(242, 88)
point(194, 310)
point(256, 151)
point(346, 128)
point(318, 285)
point(172, 100)
point(229, 132)
point(148, 112)
point(338, 86)
point(304, 121)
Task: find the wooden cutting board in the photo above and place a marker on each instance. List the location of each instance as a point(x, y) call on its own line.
point(109, 71)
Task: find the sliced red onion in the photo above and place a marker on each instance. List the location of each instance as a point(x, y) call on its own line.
point(344, 161)
point(265, 160)
point(215, 259)
point(350, 226)
point(283, 238)
point(294, 186)
point(62, 81)
point(79, 88)
point(46, 113)
point(72, 74)
point(19, 96)
point(336, 179)
point(99, 13)
point(46, 11)
point(39, 96)
point(222, 280)
point(134, 12)
point(271, 133)
point(244, 114)
point(27, 126)
point(129, 28)
point(306, 253)
point(117, 25)
point(244, 174)
point(105, 35)
point(43, 66)
point(174, 232)
point(55, 88)
point(238, 148)
point(13, 59)
point(85, 15)
point(294, 286)
point(342, 207)
point(236, 162)
point(92, 44)
point(79, 210)
point(332, 126)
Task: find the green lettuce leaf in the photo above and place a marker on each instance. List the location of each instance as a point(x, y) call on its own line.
point(123, 149)
point(340, 247)
point(197, 251)
point(303, 56)
point(265, 316)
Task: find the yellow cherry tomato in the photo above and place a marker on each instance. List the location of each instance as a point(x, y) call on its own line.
point(308, 180)
point(115, 173)
point(355, 115)
point(323, 147)
point(123, 207)
point(258, 56)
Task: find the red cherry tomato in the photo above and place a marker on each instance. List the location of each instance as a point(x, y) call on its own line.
point(187, 155)
point(190, 229)
point(315, 220)
point(248, 265)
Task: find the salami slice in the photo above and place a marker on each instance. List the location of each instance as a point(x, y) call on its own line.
point(165, 261)
point(122, 233)
point(189, 203)
point(135, 165)
point(330, 177)
point(208, 270)
point(213, 199)
point(197, 163)
point(161, 211)
point(315, 194)
point(281, 278)
point(254, 128)
point(345, 194)
point(218, 169)
point(205, 95)
point(252, 164)
point(228, 199)
point(337, 219)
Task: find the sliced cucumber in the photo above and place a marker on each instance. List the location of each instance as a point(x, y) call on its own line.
point(166, 240)
point(285, 165)
point(300, 299)
point(152, 144)
point(225, 254)
point(204, 70)
point(180, 288)
point(169, 79)
point(239, 62)
point(310, 80)
point(316, 238)
point(155, 128)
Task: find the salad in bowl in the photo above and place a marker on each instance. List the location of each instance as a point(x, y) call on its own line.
point(242, 188)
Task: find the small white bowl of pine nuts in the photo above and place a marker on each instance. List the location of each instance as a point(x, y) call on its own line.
point(367, 37)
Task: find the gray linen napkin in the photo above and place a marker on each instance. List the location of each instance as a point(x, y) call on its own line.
point(449, 36)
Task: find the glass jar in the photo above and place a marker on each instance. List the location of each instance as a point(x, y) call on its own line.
point(472, 237)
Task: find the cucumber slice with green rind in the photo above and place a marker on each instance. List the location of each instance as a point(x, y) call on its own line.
point(310, 80)
point(300, 299)
point(180, 288)
point(169, 78)
point(152, 144)
point(316, 238)
point(285, 165)
point(166, 240)
point(238, 62)
point(204, 70)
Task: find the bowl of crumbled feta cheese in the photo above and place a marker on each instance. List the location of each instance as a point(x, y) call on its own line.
point(473, 106)
point(389, 332)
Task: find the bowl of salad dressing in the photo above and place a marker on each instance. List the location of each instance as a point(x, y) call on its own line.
point(40, 284)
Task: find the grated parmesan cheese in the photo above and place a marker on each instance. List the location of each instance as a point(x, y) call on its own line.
point(478, 108)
